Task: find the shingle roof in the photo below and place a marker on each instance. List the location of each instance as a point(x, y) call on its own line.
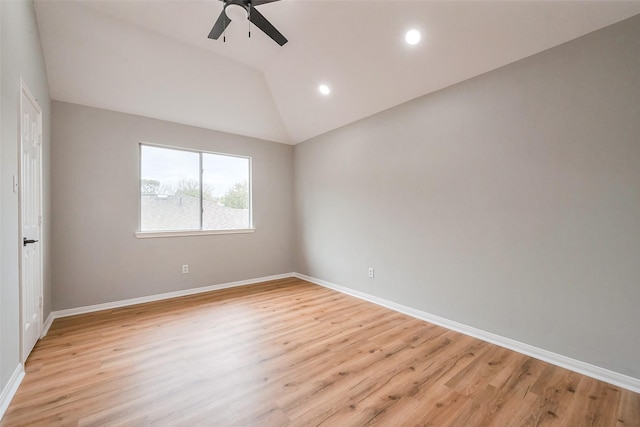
point(181, 212)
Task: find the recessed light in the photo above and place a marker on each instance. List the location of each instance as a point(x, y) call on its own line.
point(324, 89)
point(412, 37)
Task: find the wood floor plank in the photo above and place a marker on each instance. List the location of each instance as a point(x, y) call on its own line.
point(289, 353)
point(628, 410)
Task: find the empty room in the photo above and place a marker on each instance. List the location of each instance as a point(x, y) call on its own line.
point(319, 213)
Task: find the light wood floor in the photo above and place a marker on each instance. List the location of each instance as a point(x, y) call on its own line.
point(291, 353)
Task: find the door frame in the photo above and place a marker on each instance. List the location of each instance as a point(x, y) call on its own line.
point(24, 89)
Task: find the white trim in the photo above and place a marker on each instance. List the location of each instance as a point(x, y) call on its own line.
point(10, 389)
point(156, 234)
point(47, 325)
point(602, 374)
point(192, 291)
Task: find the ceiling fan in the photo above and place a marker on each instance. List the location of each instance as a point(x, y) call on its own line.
point(245, 9)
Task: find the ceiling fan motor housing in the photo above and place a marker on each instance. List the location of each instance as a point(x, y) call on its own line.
point(238, 10)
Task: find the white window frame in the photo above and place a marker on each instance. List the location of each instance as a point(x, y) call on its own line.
point(182, 233)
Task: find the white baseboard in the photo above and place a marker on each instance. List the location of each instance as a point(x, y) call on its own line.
point(593, 371)
point(133, 301)
point(47, 325)
point(602, 374)
point(10, 389)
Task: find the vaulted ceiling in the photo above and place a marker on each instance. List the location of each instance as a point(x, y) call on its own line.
point(153, 58)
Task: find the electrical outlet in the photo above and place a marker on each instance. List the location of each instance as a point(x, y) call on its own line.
point(371, 273)
point(185, 268)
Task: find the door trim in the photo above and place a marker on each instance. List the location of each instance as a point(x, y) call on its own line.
point(24, 89)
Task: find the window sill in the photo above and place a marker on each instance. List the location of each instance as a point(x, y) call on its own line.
point(157, 234)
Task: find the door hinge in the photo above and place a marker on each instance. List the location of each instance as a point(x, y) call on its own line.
point(39, 219)
point(40, 302)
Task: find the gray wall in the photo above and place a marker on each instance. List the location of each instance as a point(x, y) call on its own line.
point(21, 56)
point(509, 202)
point(97, 257)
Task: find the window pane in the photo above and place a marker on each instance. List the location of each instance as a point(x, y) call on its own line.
point(170, 189)
point(226, 192)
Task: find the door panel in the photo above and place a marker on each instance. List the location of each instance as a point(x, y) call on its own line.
point(30, 207)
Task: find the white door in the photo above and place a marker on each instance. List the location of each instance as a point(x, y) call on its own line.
point(30, 220)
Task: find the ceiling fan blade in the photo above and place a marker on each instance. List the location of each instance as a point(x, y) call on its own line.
point(262, 23)
point(259, 2)
point(219, 26)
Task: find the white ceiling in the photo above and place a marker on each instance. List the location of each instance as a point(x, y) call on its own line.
point(153, 58)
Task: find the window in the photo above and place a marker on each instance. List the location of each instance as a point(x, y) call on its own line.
point(192, 191)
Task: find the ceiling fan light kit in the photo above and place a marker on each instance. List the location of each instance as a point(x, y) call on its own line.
point(235, 12)
point(239, 10)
